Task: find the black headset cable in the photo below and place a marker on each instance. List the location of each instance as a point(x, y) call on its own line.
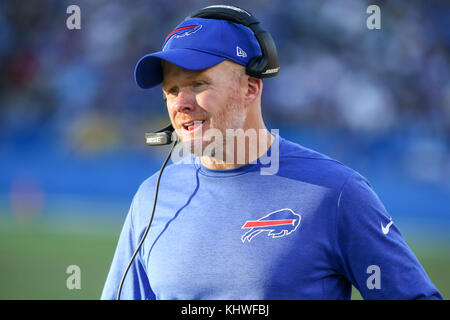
point(150, 221)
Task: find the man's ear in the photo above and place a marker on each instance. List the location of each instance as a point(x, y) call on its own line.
point(253, 89)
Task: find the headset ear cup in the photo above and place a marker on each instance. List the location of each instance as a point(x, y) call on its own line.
point(255, 66)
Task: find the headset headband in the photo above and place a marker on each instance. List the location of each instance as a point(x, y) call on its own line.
point(264, 66)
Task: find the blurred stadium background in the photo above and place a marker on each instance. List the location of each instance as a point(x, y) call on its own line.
point(72, 121)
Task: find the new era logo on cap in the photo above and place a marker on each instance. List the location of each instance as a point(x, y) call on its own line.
point(240, 52)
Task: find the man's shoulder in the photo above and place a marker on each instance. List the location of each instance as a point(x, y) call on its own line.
point(302, 163)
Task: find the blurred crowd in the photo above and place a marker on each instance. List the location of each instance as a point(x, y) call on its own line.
point(384, 90)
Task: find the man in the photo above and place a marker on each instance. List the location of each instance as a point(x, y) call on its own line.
point(224, 230)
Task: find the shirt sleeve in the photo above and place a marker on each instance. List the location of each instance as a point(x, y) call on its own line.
point(372, 253)
point(136, 285)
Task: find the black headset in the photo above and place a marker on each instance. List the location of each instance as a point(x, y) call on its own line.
point(264, 66)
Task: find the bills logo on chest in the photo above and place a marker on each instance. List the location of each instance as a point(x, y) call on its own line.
point(276, 224)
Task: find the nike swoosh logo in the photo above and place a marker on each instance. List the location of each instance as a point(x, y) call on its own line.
point(386, 229)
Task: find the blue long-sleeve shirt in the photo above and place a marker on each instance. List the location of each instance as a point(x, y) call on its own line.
point(309, 231)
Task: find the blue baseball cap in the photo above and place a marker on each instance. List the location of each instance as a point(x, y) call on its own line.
point(197, 44)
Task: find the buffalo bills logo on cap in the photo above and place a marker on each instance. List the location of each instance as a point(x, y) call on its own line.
point(182, 32)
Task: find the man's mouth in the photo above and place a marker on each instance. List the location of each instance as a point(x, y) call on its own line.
point(193, 125)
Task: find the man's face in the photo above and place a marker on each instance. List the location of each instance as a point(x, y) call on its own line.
point(207, 99)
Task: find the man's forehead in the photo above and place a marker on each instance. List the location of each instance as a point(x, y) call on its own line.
point(170, 70)
point(172, 73)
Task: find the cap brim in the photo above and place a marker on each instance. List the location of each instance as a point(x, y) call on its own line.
point(148, 72)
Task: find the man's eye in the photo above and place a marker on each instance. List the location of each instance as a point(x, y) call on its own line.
point(173, 90)
point(198, 83)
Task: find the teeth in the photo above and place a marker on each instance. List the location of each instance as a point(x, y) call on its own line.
point(192, 123)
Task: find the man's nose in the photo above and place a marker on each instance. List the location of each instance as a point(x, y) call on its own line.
point(185, 101)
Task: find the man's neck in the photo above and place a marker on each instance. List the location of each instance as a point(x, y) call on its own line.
point(243, 148)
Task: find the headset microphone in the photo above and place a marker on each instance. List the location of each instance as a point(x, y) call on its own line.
point(160, 137)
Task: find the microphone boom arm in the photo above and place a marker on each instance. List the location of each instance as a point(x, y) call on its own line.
point(160, 137)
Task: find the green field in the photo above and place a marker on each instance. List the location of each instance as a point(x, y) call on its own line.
point(35, 256)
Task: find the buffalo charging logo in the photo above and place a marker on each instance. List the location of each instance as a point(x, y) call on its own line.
point(277, 224)
point(182, 32)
